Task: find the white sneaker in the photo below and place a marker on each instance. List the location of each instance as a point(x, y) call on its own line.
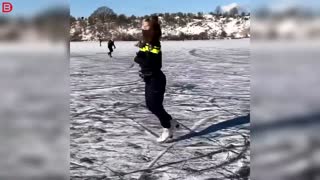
point(166, 134)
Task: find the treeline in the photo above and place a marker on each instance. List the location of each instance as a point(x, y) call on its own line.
point(107, 15)
point(103, 22)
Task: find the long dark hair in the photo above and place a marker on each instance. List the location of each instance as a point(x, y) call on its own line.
point(153, 35)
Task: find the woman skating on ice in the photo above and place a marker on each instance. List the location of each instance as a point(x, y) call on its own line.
point(149, 58)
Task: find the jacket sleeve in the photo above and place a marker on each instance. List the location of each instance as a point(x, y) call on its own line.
point(141, 58)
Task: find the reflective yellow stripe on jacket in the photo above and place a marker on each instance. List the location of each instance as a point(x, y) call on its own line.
point(147, 48)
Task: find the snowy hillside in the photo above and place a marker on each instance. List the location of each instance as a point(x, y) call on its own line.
point(208, 26)
point(212, 27)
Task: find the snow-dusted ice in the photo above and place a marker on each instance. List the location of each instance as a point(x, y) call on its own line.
point(208, 92)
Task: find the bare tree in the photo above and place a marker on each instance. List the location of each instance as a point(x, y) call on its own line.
point(218, 10)
point(234, 11)
point(103, 13)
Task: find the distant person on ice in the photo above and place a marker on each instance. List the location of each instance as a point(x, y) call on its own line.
point(100, 40)
point(149, 58)
point(139, 43)
point(110, 46)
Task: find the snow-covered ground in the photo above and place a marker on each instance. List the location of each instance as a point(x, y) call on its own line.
point(34, 110)
point(285, 108)
point(208, 92)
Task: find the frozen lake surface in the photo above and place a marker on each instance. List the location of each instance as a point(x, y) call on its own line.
point(208, 91)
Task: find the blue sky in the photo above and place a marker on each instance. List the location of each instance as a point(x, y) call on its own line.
point(80, 8)
point(84, 8)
